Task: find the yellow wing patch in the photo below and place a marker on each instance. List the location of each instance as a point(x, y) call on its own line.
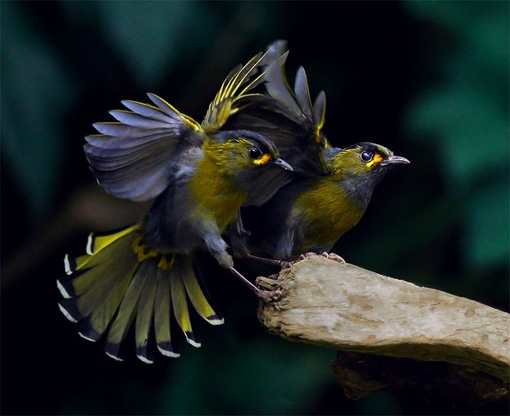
point(234, 88)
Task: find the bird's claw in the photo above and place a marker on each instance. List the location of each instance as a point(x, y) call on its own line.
point(268, 296)
point(285, 264)
point(269, 289)
point(330, 256)
point(306, 255)
point(333, 256)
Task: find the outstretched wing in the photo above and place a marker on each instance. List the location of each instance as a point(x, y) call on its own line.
point(132, 158)
point(288, 117)
point(235, 97)
point(235, 93)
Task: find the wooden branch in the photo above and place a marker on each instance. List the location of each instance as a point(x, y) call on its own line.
point(348, 308)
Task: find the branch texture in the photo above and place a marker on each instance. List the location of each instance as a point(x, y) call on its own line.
point(348, 308)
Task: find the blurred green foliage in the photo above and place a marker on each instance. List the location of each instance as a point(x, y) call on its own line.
point(466, 117)
point(149, 35)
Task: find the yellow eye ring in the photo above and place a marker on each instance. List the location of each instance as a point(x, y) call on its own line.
point(263, 160)
point(376, 160)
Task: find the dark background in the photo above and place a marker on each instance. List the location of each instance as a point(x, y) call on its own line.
point(427, 79)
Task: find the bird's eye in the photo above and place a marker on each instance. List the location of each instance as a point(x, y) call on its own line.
point(366, 156)
point(255, 153)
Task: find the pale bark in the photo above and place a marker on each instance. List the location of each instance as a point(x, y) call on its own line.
point(348, 308)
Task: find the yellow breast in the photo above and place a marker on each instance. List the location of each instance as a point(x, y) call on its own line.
point(214, 195)
point(325, 212)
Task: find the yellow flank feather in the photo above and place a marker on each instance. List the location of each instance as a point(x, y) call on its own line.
point(326, 212)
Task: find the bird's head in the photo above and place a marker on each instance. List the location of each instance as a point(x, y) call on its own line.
point(365, 159)
point(243, 155)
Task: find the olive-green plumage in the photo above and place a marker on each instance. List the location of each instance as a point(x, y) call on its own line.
point(325, 211)
point(333, 186)
point(213, 192)
point(199, 176)
point(311, 214)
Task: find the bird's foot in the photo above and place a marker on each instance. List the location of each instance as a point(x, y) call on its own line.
point(333, 256)
point(274, 262)
point(269, 289)
point(268, 296)
point(306, 255)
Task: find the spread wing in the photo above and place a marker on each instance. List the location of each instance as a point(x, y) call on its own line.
point(235, 97)
point(288, 117)
point(132, 157)
point(235, 92)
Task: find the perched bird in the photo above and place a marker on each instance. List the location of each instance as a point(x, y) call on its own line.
point(331, 188)
point(200, 175)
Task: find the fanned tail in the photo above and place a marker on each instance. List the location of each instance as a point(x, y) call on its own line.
point(121, 282)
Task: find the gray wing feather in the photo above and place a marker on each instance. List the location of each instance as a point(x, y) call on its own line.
point(136, 120)
point(148, 111)
point(278, 87)
point(132, 158)
point(319, 109)
point(303, 93)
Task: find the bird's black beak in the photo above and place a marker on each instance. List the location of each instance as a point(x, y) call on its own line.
point(282, 164)
point(395, 160)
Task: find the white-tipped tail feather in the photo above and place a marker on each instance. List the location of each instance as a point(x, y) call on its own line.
point(65, 294)
point(90, 242)
point(86, 337)
point(192, 342)
point(108, 300)
point(113, 356)
point(168, 353)
point(144, 359)
point(67, 265)
point(66, 313)
point(216, 321)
